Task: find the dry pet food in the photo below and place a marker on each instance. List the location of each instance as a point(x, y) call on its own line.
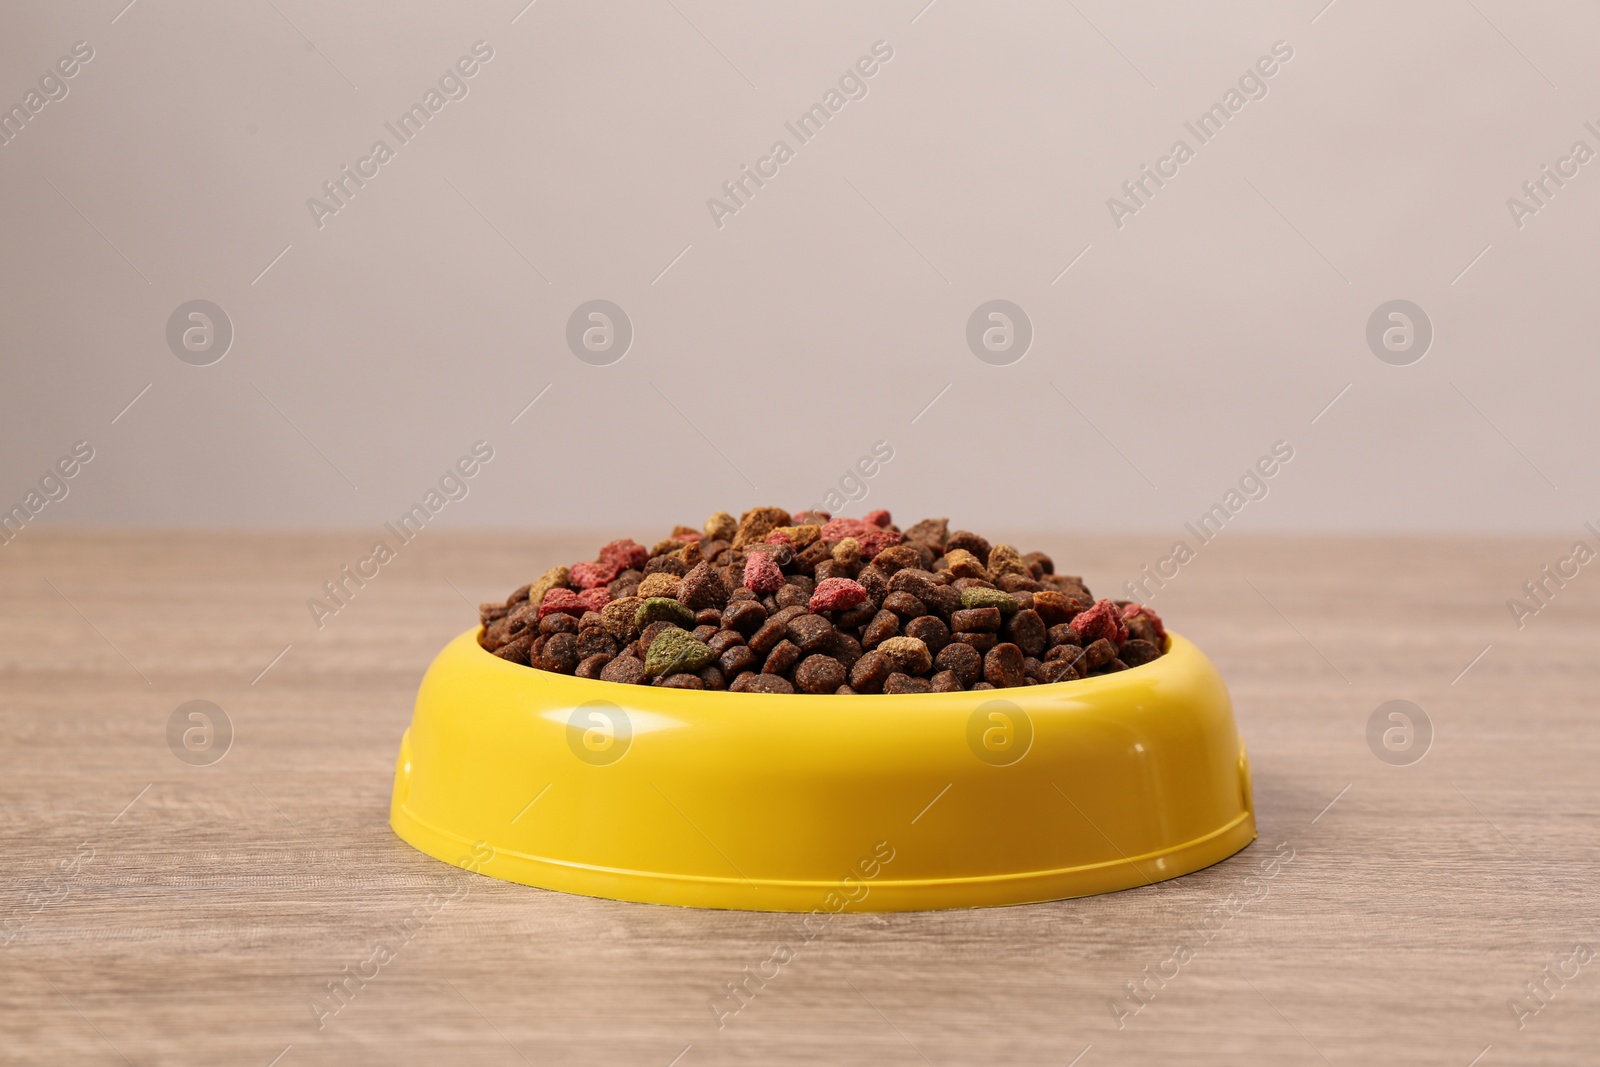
point(808, 603)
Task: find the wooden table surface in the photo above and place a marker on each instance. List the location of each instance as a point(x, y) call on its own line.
point(157, 912)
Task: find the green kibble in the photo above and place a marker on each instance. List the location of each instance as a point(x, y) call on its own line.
point(675, 651)
point(978, 597)
point(662, 609)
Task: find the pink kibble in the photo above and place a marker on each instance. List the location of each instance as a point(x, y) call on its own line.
point(874, 540)
point(564, 601)
point(596, 598)
point(1102, 620)
point(779, 537)
point(838, 594)
point(588, 575)
point(625, 554)
point(761, 574)
point(877, 518)
point(840, 528)
point(1133, 611)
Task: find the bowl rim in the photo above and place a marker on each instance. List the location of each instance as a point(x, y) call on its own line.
point(1178, 651)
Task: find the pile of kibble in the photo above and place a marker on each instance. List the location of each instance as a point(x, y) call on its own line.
point(780, 603)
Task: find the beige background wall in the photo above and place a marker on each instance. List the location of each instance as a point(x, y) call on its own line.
point(772, 352)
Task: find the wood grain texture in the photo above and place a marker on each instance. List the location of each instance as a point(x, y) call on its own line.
point(220, 903)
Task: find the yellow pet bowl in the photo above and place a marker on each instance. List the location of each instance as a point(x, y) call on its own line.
point(823, 803)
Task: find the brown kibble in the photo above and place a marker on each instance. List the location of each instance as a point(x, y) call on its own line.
point(930, 532)
point(904, 605)
point(819, 674)
point(1099, 653)
point(896, 558)
point(723, 640)
point(1138, 651)
point(771, 632)
point(560, 654)
point(516, 649)
point(1063, 634)
point(595, 641)
point(737, 660)
point(945, 682)
point(781, 660)
point(746, 616)
point(846, 649)
point(904, 683)
point(495, 634)
point(1002, 667)
point(1059, 670)
point(963, 564)
point(963, 661)
point(558, 623)
point(702, 589)
point(757, 523)
point(930, 630)
point(916, 581)
point(983, 642)
point(760, 683)
point(591, 666)
point(907, 654)
point(873, 581)
point(713, 677)
point(1055, 607)
point(626, 669)
point(975, 620)
point(721, 527)
point(870, 672)
point(1027, 631)
point(1113, 667)
point(970, 541)
point(794, 595)
point(1069, 653)
point(681, 681)
point(1039, 564)
point(517, 596)
point(811, 633)
point(488, 613)
point(884, 625)
point(671, 563)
